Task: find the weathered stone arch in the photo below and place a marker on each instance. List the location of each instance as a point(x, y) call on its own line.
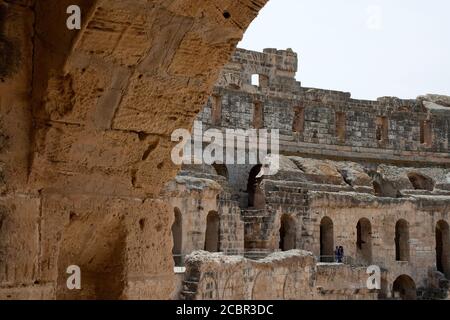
point(402, 240)
point(177, 236)
point(287, 233)
point(221, 169)
point(364, 240)
point(404, 288)
point(212, 233)
point(326, 240)
point(92, 118)
point(442, 233)
point(255, 194)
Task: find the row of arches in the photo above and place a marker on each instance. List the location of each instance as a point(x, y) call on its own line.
point(212, 235)
point(402, 250)
point(403, 287)
point(255, 198)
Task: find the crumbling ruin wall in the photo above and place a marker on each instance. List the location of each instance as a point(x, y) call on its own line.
point(291, 275)
point(85, 125)
point(346, 210)
point(325, 123)
point(194, 198)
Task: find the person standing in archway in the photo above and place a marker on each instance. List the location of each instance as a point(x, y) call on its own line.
point(336, 254)
point(340, 254)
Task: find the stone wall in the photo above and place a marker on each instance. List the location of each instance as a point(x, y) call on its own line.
point(85, 124)
point(291, 275)
point(388, 128)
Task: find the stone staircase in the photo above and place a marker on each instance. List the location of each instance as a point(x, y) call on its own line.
point(189, 289)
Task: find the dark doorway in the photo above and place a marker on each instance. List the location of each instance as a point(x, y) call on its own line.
point(404, 288)
point(364, 241)
point(402, 240)
point(326, 240)
point(252, 185)
point(221, 169)
point(287, 233)
point(212, 235)
point(177, 229)
point(442, 248)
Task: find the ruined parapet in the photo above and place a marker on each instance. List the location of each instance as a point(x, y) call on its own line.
point(291, 275)
point(274, 69)
point(326, 123)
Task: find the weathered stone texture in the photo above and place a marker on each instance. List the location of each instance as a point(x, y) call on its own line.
point(371, 176)
point(84, 136)
point(291, 275)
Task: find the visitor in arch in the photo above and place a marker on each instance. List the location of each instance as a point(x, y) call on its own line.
point(340, 254)
point(336, 254)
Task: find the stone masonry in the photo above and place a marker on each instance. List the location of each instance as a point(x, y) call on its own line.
point(370, 176)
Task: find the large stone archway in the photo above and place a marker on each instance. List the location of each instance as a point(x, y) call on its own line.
point(85, 128)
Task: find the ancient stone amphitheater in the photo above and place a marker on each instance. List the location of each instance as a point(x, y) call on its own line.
point(87, 179)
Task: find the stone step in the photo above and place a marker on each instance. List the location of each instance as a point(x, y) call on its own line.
point(190, 286)
point(187, 295)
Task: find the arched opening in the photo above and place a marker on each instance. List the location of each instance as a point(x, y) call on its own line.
point(177, 229)
point(364, 240)
point(443, 248)
point(287, 233)
point(326, 240)
point(221, 169)
point(420, 181)
point(101, 273)
point(404, 288)
point(212, 235)
point(402, 240)
point(255, 198)
point(255, 80)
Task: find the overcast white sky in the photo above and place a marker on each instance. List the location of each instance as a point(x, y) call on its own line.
point(371, 48)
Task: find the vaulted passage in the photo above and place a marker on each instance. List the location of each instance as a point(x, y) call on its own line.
point(255, 198)
point(404, 288)
point(287, 233)
point(402, 240)
point(221, 170)
point(326, 240)
point(364, 241)
point(443, 248)
point(177, 230)
point(212, 235)
point(135, 72)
